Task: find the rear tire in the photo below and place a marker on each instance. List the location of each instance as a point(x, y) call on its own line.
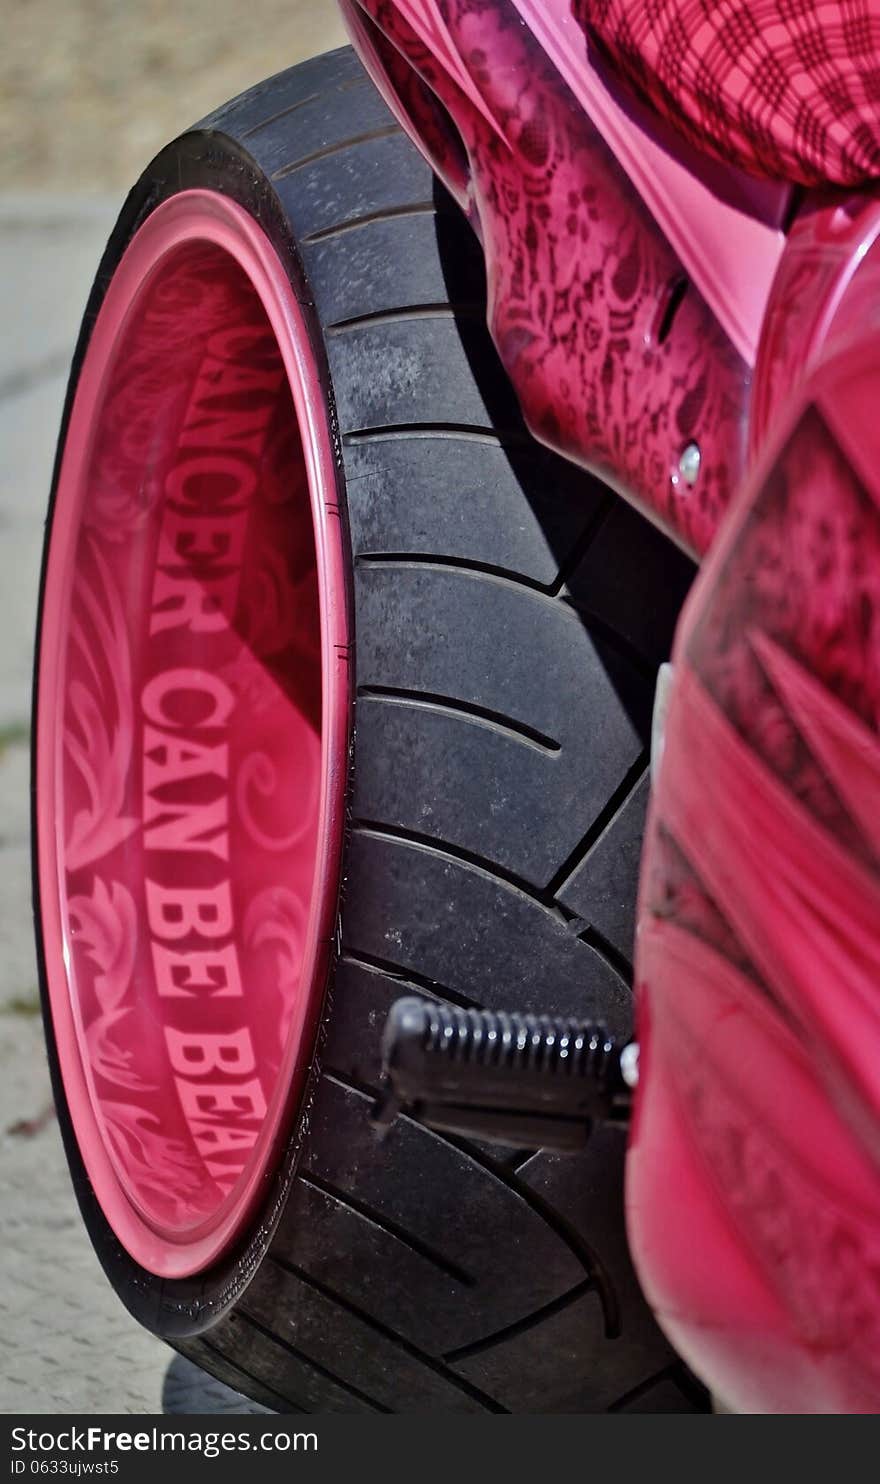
point(509, 617)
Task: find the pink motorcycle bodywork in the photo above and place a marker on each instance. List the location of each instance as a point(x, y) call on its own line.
point(753, 1197)
point(642, 299)
point(612, 255)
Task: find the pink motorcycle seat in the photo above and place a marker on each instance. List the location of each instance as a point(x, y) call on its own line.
point(787, 89)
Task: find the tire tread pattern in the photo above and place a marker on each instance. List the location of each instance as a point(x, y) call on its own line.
point(493, 577)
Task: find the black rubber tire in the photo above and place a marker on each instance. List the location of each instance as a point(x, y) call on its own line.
point(510, 614)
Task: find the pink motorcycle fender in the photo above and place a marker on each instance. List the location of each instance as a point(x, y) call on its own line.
point(826, 289)
point(614, 253)
point(753, 1185)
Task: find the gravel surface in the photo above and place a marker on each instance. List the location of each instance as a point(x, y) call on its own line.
point(91, 89)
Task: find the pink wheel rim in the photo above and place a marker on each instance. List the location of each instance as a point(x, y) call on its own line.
point(192, 733)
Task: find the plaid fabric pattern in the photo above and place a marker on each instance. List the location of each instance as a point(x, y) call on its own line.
point(784, 88)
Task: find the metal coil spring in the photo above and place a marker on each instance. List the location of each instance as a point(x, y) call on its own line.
point(525, 1044)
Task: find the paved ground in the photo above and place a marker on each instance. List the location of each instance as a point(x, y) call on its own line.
point(90, 89)
point(68, 74)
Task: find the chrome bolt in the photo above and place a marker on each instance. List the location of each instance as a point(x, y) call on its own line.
point(629, 1064)
point(689, 463)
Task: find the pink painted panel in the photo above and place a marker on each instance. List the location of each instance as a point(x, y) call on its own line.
point(619, 359)
point(754, 1172)
point(716, 216)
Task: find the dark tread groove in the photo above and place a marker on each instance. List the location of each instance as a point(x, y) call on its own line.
point(377, 1218)
point(600, 824)
point(434, 563)
point(457, 853)
point(480, 1156)
point(598, 1277)
point(598, 625)
point(399, 975)
point(508, 438)
point(412, 312)
point(314, 1365)
point(429, 1361)
point(507, 725)
point(237, 1368)
point(300, 103)
point(552, 591)
point(368, 219)
point(494, 1168)
point(572, 608)
point(588, 536)
point(616, 961)
point(283, 113)
point(622, 1402)
point(334, 149)
point(531, 1321)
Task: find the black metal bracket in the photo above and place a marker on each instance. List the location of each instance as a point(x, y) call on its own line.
point(525, 1080)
